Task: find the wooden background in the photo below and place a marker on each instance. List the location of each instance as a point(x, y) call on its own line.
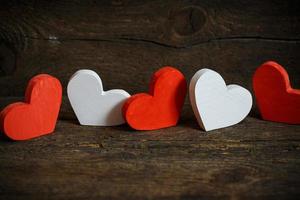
point(125, 42)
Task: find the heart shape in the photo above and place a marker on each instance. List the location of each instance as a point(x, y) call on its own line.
point(37, 115)
point(276, 99)
point(162, 106)
point(216, 105)
point(92, 105)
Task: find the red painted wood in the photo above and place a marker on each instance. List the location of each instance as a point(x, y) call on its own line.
point(37, 115)
point(276, 100)
point(162, 106)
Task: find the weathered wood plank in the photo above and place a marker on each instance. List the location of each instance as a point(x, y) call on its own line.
point(236, 60)
point(129, 65)
point(180, 162)
point(174, 23)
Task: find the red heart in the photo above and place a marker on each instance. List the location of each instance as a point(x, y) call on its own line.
point(276, 100)
point(162, 106)
point(38, 114)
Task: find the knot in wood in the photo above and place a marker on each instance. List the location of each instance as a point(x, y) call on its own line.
point(188, 20)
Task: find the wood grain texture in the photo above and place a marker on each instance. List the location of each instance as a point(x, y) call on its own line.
point(60, 37)
point(125, 41)
point(252, 160)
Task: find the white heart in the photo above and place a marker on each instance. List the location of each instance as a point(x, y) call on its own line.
point(91, 104)
point(216, 105)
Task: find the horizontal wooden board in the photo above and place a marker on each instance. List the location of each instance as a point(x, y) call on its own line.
point(254, 159)
point(129, 65)
point(174, 23)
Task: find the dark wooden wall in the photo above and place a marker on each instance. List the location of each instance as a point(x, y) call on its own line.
point(125, 42)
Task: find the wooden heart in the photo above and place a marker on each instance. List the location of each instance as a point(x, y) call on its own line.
point(91, 104)
point(37, 115)
point(216, 105)
point(276, 99)
point(162, 106)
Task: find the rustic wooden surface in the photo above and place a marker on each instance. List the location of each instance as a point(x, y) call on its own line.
point(125, 42)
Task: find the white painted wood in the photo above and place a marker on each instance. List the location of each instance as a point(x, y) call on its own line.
point(216, 105)
point(91, 104)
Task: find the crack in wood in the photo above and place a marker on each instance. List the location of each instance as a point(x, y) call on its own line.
point(213, 40)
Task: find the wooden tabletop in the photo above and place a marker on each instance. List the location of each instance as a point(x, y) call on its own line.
point(125, 42)
point(254, 159)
